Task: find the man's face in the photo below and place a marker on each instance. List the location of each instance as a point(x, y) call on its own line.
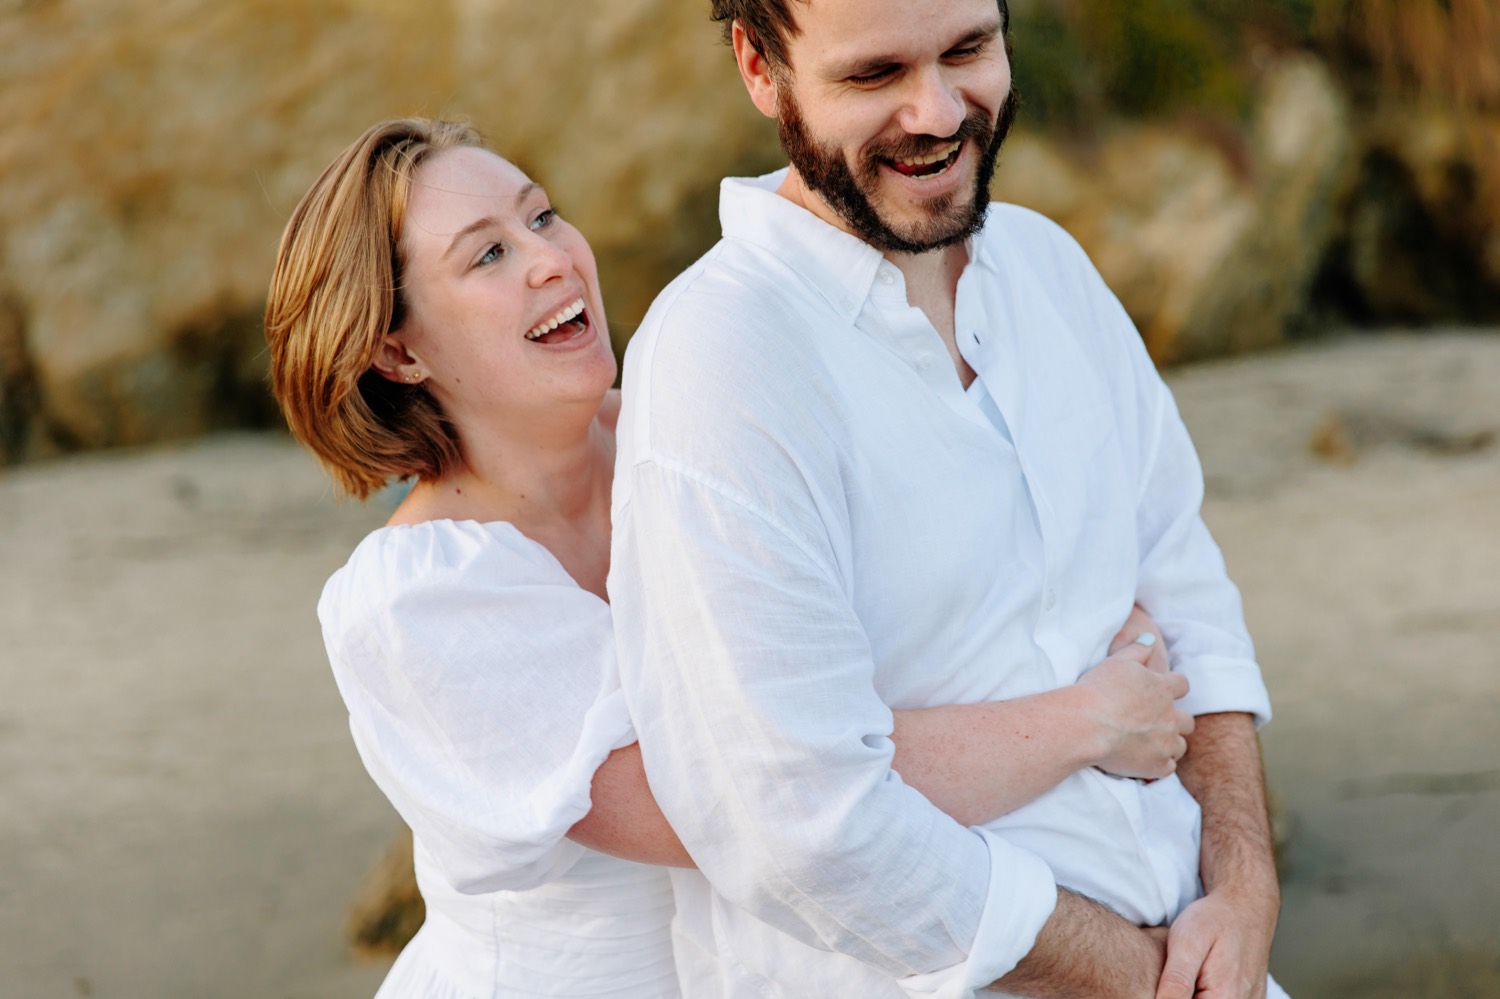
point(893, 112)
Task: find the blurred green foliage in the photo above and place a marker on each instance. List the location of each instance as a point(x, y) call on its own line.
point(1078, 61)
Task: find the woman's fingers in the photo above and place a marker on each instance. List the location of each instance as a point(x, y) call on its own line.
point(1136, 629)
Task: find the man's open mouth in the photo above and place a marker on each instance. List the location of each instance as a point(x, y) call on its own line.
point(568, 322)
point(930, 164)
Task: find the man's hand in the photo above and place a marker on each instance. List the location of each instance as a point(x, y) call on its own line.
point(1220, 945)
point(1218, 948)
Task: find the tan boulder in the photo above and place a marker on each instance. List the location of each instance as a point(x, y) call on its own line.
point(1424, 223)
point(153, 151)
point(1210, 240)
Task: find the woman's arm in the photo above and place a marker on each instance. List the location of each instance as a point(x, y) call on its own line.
point(979, 761)
point(973, 761)
point(624, 820)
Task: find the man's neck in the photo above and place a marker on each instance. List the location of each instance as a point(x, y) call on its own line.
point(932, 286)
point(931, 277)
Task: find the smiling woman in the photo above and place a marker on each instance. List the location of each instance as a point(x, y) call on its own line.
point(503, 322)
point(373, 381)
point(432, 317)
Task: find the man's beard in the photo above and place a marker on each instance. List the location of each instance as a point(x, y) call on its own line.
point(824, 170)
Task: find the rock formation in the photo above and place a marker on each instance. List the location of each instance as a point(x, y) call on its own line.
point(151, 153)
point(1210, 240)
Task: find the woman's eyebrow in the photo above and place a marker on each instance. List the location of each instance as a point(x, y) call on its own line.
point(486, 221)
point(466, 232)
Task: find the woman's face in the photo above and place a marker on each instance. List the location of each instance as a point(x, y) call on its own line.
point(504, 316)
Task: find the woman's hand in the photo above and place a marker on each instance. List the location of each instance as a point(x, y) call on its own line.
point(1133, 705)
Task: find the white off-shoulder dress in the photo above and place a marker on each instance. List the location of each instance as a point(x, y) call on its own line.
point(482, 694)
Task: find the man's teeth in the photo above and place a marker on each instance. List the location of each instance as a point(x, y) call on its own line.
point(931, 158)
point(563, 315)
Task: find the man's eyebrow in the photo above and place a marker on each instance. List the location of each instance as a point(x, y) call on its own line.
point(871, 64)
point(983, 33)
point(485, 222)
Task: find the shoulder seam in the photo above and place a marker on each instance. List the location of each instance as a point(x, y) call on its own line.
point(739, 499)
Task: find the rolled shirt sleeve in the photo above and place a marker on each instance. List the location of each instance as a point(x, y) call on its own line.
point(766, 744)
point(1184, 584)
point(1182, 579)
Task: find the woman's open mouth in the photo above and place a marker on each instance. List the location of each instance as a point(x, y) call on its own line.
point(568, 322)
point(930, 164)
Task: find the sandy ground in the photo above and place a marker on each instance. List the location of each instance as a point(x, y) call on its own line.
point(185, 817)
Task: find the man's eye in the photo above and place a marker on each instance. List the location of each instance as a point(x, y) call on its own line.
point(875, 76)
point(967, 52)
point(545, 219)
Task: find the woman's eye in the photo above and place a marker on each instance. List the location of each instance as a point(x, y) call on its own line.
point(545, 219)
point(491, 254)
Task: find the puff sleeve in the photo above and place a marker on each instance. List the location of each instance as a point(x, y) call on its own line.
point(482, 693)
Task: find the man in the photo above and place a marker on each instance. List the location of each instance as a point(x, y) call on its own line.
point(883, 448)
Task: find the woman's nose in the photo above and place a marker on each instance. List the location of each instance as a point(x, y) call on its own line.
point(547, 260)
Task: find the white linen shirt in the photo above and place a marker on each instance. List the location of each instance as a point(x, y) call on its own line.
point(815, 523)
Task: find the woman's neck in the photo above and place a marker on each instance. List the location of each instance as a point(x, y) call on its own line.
point(552, 485)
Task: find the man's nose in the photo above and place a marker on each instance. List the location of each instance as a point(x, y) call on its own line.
point(934, 105)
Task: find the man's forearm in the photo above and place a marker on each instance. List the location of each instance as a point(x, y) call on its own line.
point(1087, 950)
point(1223, 771)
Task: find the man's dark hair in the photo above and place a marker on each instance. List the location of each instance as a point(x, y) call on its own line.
point(769, 24)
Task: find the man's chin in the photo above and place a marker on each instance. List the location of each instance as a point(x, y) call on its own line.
point(930, 226)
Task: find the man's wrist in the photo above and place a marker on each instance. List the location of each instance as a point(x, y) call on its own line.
point(1255, 895)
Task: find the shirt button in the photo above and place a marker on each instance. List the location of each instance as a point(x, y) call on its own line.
point(886, 277)
point(1050, 601)
point(924, 361)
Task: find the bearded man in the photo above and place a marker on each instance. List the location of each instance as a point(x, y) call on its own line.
point(889, 446)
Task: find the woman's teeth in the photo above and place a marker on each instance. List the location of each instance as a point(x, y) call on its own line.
point(564, 314)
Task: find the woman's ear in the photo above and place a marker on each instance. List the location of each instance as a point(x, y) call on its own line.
point(395, 362)
point(755, 70)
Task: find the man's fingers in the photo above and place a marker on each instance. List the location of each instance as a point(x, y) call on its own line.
point(1185, 956)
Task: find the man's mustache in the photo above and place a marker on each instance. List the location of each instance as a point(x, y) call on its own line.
point(975, 125)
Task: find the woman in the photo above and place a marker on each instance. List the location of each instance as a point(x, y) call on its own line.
point(432, 317)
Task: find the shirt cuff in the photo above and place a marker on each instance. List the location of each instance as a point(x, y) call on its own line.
point(1222, 684)
point(1022, 895)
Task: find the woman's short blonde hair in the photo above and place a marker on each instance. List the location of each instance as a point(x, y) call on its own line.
point(336, 293)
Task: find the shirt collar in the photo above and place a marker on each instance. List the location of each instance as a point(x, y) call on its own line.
point(840, 266)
